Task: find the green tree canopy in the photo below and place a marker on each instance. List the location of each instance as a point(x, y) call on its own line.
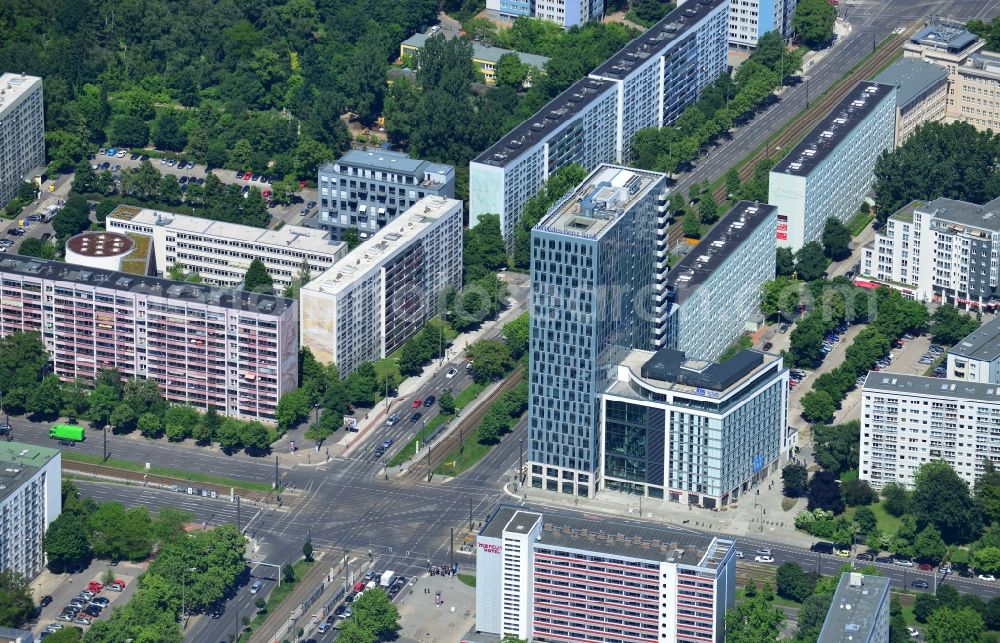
point(65, 543)
point(813, 22)
point(947, 625)
point(836, 240)
point(810, 262)
point(941, 498)
point(257, 279)
point(16, 604)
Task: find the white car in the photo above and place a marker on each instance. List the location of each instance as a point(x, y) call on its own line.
point(902, 562)
point(912, 631)
point(739, 554)
point(987, 577)
point(763, 559)
point(452, 372)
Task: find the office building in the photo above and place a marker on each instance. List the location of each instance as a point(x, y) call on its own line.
point(592, 297)
point(908, 420)
point(859, 612)
point(484, 57)
point(366, 189)
point(220, 252)
point(566, 13)
point(550, 577)
point(977, 357)
point(129, 252)
point(22, 132)
point(30, 499)
point(942, 251)
point(694, 431)
point(646, 84)
point(751, 19)
point(946, 44)
point(921, 94)
point(713, 294)
point(828, 173)
point(384, 291)
point(204, 346)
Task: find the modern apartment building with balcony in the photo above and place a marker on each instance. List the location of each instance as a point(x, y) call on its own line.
point(550, 577)
point(592, 300)
point(383, 292)
point(828, 174)
point(30, 499)
point(908, 420)
point(22, 132)
point(204, 346)
point(646, 84)
point(366, 189)
point(749, 20)
point(977, 357)
point(220, 252)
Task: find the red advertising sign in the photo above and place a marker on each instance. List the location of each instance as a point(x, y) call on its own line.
point(490, 549)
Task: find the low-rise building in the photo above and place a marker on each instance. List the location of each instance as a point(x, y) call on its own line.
point(550, 577)
point(921, 93)
point(129, 252)
point(205, 346)
point(30, 499)
point(365, 190)
point(22, 132)
point(565, 13)
point(977, 357)
point(859, 612)
point(828, 174)
point(692, 431)
point(908, 420)
point(379, 295)
point(220, 252)
point(714, 292)
point(484, 57)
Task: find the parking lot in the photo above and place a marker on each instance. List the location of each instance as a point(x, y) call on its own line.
point(67, 600)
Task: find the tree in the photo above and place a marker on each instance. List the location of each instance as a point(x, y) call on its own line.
point(947, 625)
point(255, 438)
point(375, 613)
point(123, 419)
point(73, 218)
point(752, 621)
point(986, 560)
point(45, 399)
point(288, 574)
point(260, 604)
point(817, 406)
point(810, 263)
point(708, 208)
point(128, 131)
point(866, 520)
point(950, 325)
point(167, 133)
point(895, 499)
point(813, 22)
point(144, 396)
point(350, 237)
point(490, 429)
point(169, 524)
point(511, 72)
point(446, 402)
point(923, 606)
point(794, 480)
point(180, 421)
point(811, 616)
point(516, 334)
point(65, 544)
point(257, 279)
point(692, 225)
point(858, 493)
point(928, 547)
point(836, 448)
point(293, 409)
point(733, 182)
point(824, 493)
point(16, 604)
point(351, 632)
point(784, 262)
point(120, 534)
point(987, 491)
point(491, 359)
point(836, 240)
point(205, 431)
point(484, 251)
point(941, 498)
point(793, 583)
point(101, 404)
point(307, 549)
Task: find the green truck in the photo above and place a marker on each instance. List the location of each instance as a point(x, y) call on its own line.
point(66, 432)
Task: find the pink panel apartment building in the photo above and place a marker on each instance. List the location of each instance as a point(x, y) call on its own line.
point(205, 346)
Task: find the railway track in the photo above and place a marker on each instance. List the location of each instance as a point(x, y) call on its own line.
point(438, 451)
point(811, 116)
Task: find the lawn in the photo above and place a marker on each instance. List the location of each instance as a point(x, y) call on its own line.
point(886, 522)
point(469, 453)
point(859, 222)
point(468, 579)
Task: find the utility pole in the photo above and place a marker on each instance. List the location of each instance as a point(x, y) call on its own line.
point(105, 442)
point(347, 576)
point(470, 515)
point(429, 448)
point(238, 521)
point(520, 461)
point(275, 473)
point(807, 93)
point(453, 548)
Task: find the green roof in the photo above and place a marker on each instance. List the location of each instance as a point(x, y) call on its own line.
point(19, 461)
point(905, 213)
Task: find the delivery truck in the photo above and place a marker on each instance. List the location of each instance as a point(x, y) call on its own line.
point(386, 579)
point(66, 432)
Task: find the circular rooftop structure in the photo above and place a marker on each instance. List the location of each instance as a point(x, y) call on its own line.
point(99, 249)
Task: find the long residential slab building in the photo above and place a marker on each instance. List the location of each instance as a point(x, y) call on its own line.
point(646, 84)
point(22, 132)
point(204, 346)
point(381, 294)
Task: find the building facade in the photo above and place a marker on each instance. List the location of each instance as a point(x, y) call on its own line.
point(859, 612)
point(942, 251)
point(566, 13)
point(204, 346)
point(22, 132)
point(30, 499)
point(592, 296)
point(547, 577)
point(751, 19)
point(384, 291)
point(714, 292)
point(828, 174)
point(908, 420)
point(485, 58)
point(921, 94)
point(646, 84)
point(977, 357)
point(692, 431)
point(366, 189)
point(220, 252)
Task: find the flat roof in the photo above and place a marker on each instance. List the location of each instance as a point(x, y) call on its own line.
point(933, 386)
point(982, 63)
point(376, 158)
point(670, 370)
point(383, 244)
point(834, 128)
point(594, 205)
point(18, 462)
point(951, 37)
point(981, 344)
point(581, 94)
point(669, 544)
point(702, 261)
point(289, 236)
point(14, 86)
point(855, 608)
point(905, 213)
point(481, 52)
point(912, 77)
point(985, 216)
point(153, 286)
point(98, 243)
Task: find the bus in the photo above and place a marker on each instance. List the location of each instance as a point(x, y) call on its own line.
point(66, 432)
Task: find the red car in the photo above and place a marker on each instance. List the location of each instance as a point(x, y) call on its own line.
point(95, 586)
point(925, 567)
point(417, 403)
point(247, 176)
point(265, 193)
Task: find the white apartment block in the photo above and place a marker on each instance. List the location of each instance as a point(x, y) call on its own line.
point(646, 84)
point(828, 174)
point(942, 251)
point(751, 19)
point(30, 499)
point(859, 612)
point(921, 94)
point(566, 13)
point(379, 295)
point(713, 294)
point(22, 132)
point(221, 252)
point(908, 420)
point(977, 357)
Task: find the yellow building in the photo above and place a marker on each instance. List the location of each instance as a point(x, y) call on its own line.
point(485, 58)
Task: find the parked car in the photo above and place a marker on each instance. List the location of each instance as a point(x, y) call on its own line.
point(783, 328)
point(100, 600)
point(46, 600)
point(247, 175)
point(913, 632)
point(865, 557)
point(926, 567)
point(902, 562)
point(987, 577)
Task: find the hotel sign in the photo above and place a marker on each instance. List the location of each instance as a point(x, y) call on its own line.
point(490, 548)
